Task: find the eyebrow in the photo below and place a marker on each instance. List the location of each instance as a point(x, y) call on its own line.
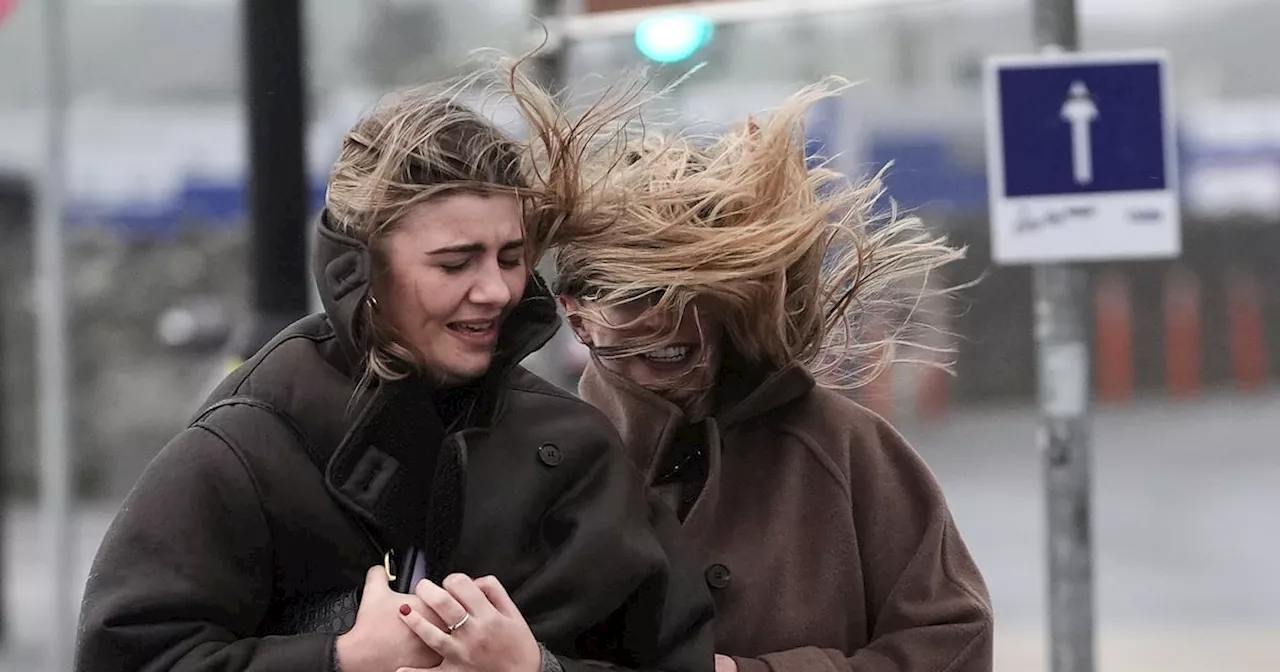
point(473, 248)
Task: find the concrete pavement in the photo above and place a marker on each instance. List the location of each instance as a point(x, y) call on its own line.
point(1186, 530)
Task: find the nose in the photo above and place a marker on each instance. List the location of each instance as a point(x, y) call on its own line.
point(654, 323)
point(490, 288)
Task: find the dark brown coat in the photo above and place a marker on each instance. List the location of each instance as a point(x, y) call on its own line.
point(294, 491)
point(826, 539)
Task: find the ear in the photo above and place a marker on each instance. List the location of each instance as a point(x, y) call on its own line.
point(571, 307)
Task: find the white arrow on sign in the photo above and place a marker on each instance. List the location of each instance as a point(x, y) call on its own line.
point(1080, 111)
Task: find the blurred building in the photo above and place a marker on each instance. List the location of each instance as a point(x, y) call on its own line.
point(157, 82)
point(157, 151)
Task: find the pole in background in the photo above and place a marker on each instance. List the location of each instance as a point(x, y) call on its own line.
point(51, 347)
point(17, 201)
point(549, 66)
point(549, 63)
point(278, 190)
point(1063, 354)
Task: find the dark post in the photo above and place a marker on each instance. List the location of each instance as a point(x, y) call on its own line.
point(549, 62)
point(278, 191)
point(17, 209)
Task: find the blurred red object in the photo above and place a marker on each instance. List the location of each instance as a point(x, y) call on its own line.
point(1246, 331)
point(1113, 339)
point(1182, 332)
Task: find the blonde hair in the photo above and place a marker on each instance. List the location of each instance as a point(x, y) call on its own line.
point(793, 257)
point(425, 143)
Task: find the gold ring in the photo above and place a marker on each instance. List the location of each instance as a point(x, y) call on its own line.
point(386, 567)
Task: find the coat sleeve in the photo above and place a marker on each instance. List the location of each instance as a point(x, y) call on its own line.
point(609, 539)
point(184, 574)
point(927, 601)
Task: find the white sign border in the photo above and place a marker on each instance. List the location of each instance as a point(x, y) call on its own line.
point(996, 199)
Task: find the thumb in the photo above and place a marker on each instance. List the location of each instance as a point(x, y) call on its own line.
point(375, 581)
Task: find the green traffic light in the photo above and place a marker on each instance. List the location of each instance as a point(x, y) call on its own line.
point(672, 37)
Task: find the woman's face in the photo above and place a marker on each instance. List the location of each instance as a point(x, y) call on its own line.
point(455, 267)
point(681, 370)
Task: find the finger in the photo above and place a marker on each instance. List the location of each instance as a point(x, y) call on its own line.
point(438, 668)
point(498, 597)
point(440, 601)
point(375, 581)
point(418, 605)
point(465, 591)
point(430, 634)
point(428, 613)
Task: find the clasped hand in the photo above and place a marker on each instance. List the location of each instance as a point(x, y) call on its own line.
point(462, 625)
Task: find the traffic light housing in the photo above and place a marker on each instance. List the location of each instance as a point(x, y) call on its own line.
point(671, 38)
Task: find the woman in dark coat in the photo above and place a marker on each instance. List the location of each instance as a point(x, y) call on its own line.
point(735, 293)
point(345, 485)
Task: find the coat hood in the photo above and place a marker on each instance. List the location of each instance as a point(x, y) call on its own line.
point(343, 268)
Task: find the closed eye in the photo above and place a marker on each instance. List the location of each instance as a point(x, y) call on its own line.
point(456, 266)
point(472, 250)
point(515, 262)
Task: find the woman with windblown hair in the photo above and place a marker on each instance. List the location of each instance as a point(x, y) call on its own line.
point(382, 486)
point(728, 296)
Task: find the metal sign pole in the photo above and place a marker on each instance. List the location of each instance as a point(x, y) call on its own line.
point(51, 347)
point(1063, 355)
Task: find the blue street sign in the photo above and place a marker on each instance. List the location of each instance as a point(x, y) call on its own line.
point(1081, 158)
point(1057, 112)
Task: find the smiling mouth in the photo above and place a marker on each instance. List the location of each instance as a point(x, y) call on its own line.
point(671, 354)
point(474, 327)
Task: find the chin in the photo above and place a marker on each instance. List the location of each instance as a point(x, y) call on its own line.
point(468, 370)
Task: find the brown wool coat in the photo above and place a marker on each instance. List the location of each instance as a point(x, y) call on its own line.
point(827, 541)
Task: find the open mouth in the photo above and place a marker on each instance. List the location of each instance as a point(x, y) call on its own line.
point(671, 354)
point(475, 329)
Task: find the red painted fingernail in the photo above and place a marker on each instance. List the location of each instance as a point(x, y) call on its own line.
point(404, 610)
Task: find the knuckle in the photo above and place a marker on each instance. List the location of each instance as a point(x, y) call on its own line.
point(437, 601)
point(455, 581)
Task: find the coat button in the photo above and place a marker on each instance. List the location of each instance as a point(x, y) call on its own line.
point(718, 576)
point(550, 454)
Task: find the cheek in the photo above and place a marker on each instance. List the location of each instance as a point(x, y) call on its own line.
point(397, 301)
point(517, 280)
point(602, 336)
point(441, 298)
point(426, 299)
point(711, 333)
